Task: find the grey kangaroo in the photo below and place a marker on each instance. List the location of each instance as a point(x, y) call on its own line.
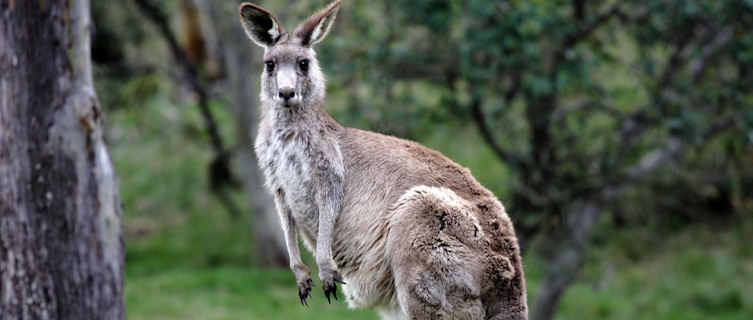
point(405, 230)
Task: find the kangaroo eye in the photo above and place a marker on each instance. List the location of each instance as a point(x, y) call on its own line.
point(303, 64)
point(270, 66)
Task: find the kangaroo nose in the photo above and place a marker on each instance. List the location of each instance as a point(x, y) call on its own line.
point(287, 93)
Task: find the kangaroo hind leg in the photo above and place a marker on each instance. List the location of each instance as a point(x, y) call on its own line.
point(433, 245)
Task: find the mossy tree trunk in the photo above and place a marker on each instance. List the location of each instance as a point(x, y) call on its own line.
point(61, 249)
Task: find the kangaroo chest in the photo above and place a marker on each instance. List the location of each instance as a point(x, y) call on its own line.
point(285, 157)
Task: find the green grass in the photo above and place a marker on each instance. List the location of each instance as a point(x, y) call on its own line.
point(201, 268)
point(186, 258)
point(703, 272)
point(227, 292)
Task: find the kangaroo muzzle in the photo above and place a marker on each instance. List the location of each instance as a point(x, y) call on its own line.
point(286, 88)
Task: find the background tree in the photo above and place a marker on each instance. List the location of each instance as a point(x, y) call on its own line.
point(61, 251)
point(243, 64)
point(200, 30)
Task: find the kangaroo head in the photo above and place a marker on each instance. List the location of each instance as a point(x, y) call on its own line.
point(291, 77)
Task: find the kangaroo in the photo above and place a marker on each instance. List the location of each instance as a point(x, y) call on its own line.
point(402, 228)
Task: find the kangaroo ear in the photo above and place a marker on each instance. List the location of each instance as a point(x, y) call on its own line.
point(260, 25)
point(315, 28)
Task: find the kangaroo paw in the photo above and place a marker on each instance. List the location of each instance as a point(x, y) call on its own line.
point(304, 291)
point(329, 284)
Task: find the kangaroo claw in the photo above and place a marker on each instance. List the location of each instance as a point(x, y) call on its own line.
point(330, 286)
point(304, 292)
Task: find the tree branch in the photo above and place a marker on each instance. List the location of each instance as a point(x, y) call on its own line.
point(583, 32)
point(586, 30)
point(637, 124)
point(653, 159)
point(698, 66)
point(675, 61)
point(220, 173)
point(579, 9)
point(480, 120)
point(159, 19)
point(563, 111)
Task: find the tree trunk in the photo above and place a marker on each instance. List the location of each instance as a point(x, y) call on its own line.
point(61, 249)
point(565, 264)
point(243, 71)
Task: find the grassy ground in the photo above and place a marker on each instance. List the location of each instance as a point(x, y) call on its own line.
point(178, 275)
point(188, 259)
point(702, 272)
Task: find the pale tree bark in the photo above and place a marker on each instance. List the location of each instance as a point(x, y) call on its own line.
point(243, 73)
point(61, 248)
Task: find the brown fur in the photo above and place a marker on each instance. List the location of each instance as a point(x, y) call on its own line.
point(412, 233)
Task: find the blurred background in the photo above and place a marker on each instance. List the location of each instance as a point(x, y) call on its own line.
point(618, 134)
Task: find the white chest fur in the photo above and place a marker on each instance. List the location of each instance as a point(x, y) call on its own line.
point(284, 157)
